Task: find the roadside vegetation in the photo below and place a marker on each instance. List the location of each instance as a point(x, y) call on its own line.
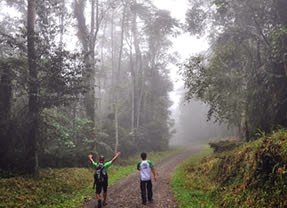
point(65, 187)
point(192, 190)
point(250, 175)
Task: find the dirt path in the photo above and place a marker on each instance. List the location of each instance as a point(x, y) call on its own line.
point(126, 193)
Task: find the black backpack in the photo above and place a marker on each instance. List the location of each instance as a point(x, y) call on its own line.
point(100, 174)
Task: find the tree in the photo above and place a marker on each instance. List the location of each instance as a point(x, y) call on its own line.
point(243, 51)
point(32, 140)
point(41, 75)
point(55, 89)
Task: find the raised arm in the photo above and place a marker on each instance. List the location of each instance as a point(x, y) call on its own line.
point(91, 158)
point(115, 157)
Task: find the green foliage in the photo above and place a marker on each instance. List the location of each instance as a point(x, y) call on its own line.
point(221, 83)
point(277, 36)
point(251, 175)
point(225, 145)
point(53, 80)
point(50, 187)
point(61, 188)
point(190, 188)
point(245, 64)
point(74, 93)
point(67, 141)
point(196, 18)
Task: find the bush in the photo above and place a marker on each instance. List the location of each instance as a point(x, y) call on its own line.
point(223, 146)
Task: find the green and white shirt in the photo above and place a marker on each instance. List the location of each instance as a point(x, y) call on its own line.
point(144, 167)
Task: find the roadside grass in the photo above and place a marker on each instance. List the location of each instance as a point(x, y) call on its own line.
point(253, 174)
point(66, 187)
point(52, 186)
point(193, 190)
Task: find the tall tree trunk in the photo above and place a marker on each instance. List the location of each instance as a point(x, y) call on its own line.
point(137, 71)
point(114, 87)
point(88, 41)
point(5, 94)
point(243, 132)
point(118, 75)
point(281, 14)
point(62, 15)
point(91, 96)
point(101, 82)
point(5, 112)
point(133, 83)
point(141, 94)
point(32, 154)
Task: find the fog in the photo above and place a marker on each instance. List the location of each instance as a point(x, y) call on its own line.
point(191, 125)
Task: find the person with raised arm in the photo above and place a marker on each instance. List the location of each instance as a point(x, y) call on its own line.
point(101, 177)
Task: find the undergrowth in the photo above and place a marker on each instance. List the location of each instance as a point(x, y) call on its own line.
point(61, 188)
point(192, 190)
point(251, 175)
point(52, 186)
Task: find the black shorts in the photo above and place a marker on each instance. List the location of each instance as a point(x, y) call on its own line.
point(102, 186)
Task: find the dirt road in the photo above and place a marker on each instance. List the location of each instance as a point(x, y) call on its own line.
point(126, 193)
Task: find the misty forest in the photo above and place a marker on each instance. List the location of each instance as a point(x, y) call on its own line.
point(85, 78)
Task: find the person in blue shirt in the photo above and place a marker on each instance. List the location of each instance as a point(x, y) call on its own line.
point(101, 177)
point(146, 168)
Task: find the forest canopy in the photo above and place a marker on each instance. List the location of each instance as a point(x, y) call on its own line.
point(80, 76)
point(243, 75)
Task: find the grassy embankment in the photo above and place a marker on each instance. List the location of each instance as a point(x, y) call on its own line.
point(253, 175)
point(61, 188)
point(192, 190)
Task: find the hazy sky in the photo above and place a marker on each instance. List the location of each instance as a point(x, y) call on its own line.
point(184, 44)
